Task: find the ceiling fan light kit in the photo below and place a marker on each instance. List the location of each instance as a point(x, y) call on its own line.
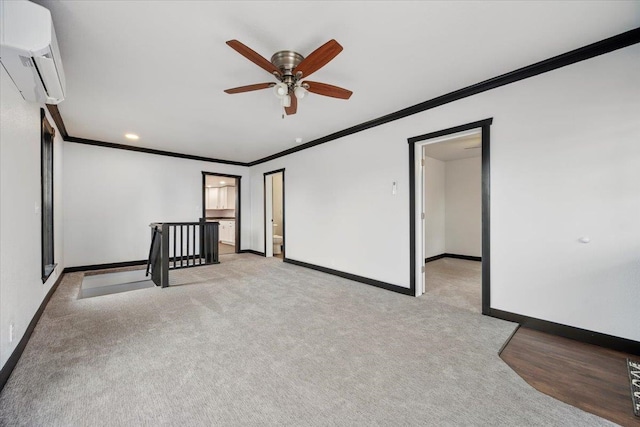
point(289, 68)
point(300, 91)
point(281, 89)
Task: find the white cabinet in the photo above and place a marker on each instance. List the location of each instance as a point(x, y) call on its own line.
point(212, 198)
point(221, 198)
point(227, 231)
point(232, 232)
point(224, 231)
point(230, 197)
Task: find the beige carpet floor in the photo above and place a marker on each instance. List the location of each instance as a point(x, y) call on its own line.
point(255, 341)
point(457, 282)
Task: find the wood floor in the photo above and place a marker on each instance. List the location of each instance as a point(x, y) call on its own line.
point(224, 249)
point(589, 377)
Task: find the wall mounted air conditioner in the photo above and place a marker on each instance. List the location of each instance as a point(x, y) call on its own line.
point(29, 51)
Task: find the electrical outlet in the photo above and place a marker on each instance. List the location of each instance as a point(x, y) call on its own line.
point(11, 331)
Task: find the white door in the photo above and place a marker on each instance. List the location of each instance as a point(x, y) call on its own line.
point(268, 223)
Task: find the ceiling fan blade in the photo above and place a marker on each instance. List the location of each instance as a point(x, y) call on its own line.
point(328, 90)
point(254, 57)
point(294, 106)
point(319, 58)
point(249, 88)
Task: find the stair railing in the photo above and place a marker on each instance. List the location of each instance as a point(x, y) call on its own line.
point(176, 245)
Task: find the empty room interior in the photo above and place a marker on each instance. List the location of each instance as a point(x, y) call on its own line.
point(452, 206)
point(319, 213)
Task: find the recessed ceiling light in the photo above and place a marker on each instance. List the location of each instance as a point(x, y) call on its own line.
point(131, 136)
point(298, 140)
point(222, 182)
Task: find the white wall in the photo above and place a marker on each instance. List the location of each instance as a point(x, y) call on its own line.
point(434, 207)
point(463, 201)
point(453, 207)
point(111, 196)
point(339, 207)
point(21, 287)
point(565, 163)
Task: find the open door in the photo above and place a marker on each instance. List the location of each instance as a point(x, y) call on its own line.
point(221, 201)
point(422, 283)
point(268, 209)
point(274, 219)
point(462, 135)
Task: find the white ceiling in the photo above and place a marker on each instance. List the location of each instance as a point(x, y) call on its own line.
point(463, 147)
point(159, 68)
point(219, 181)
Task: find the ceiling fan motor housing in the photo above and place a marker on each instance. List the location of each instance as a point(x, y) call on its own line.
point(286, 61)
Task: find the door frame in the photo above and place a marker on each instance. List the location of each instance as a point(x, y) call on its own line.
point(416, 234)
point(264, 211)
point(238, 209)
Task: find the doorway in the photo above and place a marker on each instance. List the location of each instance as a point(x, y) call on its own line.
point(274, 216)
point(221, 195)
point(467, 148)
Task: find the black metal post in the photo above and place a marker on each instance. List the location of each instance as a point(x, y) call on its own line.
point(211, 243)
point(165, 255)
point(201, 222)
point(174, 246)
point(193, 245)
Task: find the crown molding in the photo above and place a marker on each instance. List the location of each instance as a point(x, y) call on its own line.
point(592, 50)
point(57, 118)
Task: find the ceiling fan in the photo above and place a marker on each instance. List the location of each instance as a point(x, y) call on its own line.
point(290, 68)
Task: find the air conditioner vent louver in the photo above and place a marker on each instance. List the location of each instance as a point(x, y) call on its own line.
point(29, 51)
